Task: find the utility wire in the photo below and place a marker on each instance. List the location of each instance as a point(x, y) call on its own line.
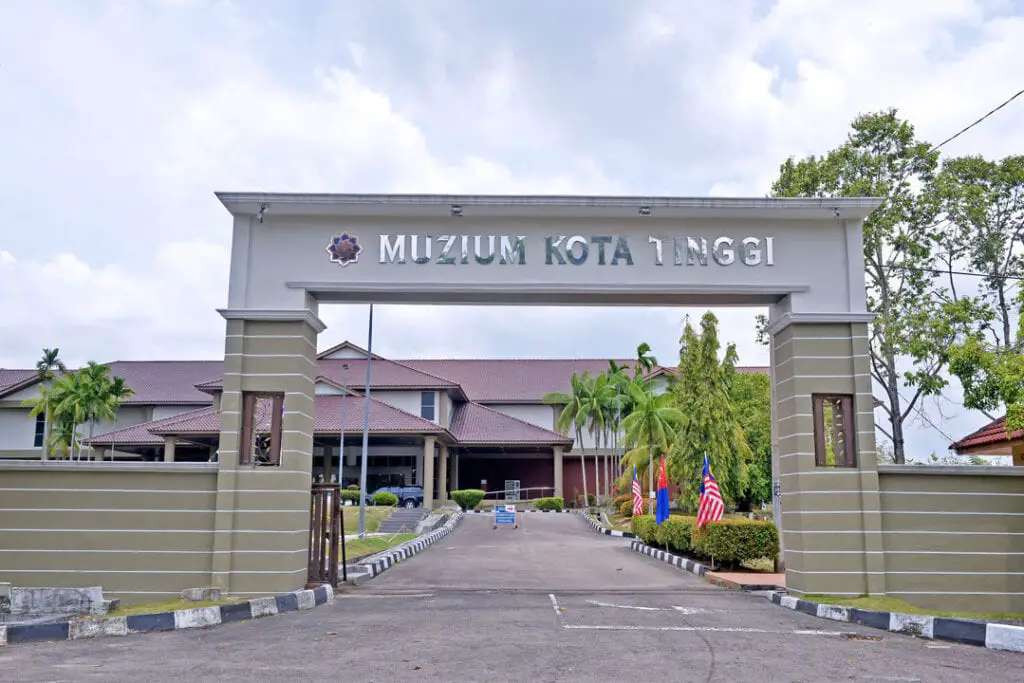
point(967, 128)
point(942, 271)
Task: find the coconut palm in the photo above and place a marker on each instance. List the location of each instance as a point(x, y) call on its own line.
point(572, 418)
point(650, 425)
point(117, 393)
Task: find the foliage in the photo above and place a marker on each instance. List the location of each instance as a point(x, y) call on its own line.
point(468, 499)
point(643, 526)
point(384, 498)
point(732, 541)
point(352, 487)
point(88, 396)
point(750, 394)
point(626, 508)
point(572, 415)
point(650, 428)
point(349, 494)
point(709, 423)
point(553, 503)
point(47, 368)
point(916, 320)
point(676, 534)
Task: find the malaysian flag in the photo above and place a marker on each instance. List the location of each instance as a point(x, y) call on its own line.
point(638, 500)
point(711, 505)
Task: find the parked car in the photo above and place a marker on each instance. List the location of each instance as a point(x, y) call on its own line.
point(408, 496)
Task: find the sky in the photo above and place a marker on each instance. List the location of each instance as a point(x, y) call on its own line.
point(120, 119)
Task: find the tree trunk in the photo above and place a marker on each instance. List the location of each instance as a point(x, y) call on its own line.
point(583, 467)
point(895, 417)
point(46, 427)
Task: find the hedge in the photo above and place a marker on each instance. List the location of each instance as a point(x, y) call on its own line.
point(468, 499)
point(383, 498)
point(352, 487)
point(626, 508)
point(347, 494)
point(732, 541)
point(549, 503)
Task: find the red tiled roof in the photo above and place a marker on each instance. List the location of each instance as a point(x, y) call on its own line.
point(384, 375)
point(11, 378)
point(383, 419)
point(476, 424)
point(991, 434)
point(142, 434)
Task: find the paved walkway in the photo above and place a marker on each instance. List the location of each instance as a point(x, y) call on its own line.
point(551, 601)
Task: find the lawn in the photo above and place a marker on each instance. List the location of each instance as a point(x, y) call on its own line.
point(357, 548)
point(374, 516)
point(164, 606)
point(887, 604)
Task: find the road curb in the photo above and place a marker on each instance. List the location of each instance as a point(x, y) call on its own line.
point(196, 617)
point(993, 636)
point(408, 549)
point(682, 563)
point(603, 530)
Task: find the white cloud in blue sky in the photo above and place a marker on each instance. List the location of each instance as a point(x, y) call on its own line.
point(118, 121)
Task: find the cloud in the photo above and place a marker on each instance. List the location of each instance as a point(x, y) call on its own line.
point(117, 134)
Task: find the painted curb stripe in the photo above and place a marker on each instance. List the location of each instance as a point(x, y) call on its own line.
point(410, 548)
point(602, 530)
point(968, 632)
point(674, 560)
point(197, 617)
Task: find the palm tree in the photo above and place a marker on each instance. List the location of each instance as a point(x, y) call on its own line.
point(45, 367)
point(651, 423)
point(117, 394)
point(572, 417)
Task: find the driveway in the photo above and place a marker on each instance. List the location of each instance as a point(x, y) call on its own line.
point(550, 601)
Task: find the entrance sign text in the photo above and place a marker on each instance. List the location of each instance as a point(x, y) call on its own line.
point(560, 250)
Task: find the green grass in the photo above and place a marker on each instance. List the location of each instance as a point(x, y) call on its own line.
point(374, 516)
point(164, 606)
point(887, 604)
point(356, 548)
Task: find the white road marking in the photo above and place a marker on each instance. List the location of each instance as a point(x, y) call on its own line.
point(554, 604)
point(382, 597)
point(722, 629)
point(673, 608)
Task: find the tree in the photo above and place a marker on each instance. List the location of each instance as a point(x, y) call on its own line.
point(983, 202)
point(651, 425)
point(573, 418)
point(709, 423)
point(915, 321)
point(119, 392)
point(751, 399)
point(45, 370)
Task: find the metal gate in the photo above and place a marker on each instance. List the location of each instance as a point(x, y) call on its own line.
point(326, 535)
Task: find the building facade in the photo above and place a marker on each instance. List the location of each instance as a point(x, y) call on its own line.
point(441, 424)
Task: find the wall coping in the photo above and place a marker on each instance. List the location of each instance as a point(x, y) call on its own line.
point(960, 471)
point(91, 465)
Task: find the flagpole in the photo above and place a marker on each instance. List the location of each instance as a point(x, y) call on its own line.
point(366, 430)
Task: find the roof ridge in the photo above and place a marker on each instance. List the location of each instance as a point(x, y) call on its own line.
point(152, 423)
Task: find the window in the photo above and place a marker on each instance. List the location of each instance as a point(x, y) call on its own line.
point(40, 430)
point(834, 443)
point(427, 399)
point(262, 414)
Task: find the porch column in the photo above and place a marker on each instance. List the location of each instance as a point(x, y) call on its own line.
point(169, 444)
point(442, 477)
point(419, 470)
point(558, 471)
point(428, 472)
point(455, 471)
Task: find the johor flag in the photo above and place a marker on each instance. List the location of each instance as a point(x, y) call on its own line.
point(661, 511)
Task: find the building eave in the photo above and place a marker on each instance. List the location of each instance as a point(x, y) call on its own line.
point(548, 206)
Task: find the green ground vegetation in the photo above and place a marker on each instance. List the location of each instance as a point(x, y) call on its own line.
point(356, 548)
point(374, 516)
point(887, 604)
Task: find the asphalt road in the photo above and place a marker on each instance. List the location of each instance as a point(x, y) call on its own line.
point(551, 601)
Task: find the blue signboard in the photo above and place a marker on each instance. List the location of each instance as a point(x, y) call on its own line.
point(504, 514)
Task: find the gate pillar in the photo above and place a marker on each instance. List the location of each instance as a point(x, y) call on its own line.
point(262, 523)
point(824, 442)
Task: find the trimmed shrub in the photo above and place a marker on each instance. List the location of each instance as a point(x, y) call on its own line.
point(643, 527)
point(732, 541)
point(352, 487)
point(549, 504)
point(348, 494)
point(382, 498)
point(675, 533)
point(617, 501)
point(591, 500)
point(626, 508)
point(468, 499)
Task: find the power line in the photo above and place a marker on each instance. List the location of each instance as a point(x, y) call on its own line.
point(941, 271)
point(967, 128)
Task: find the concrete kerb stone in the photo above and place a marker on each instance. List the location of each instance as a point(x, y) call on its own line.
point(384, 561)
point(676, 561)
point(197, 617)
point(601, 529)
point(967, 631)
